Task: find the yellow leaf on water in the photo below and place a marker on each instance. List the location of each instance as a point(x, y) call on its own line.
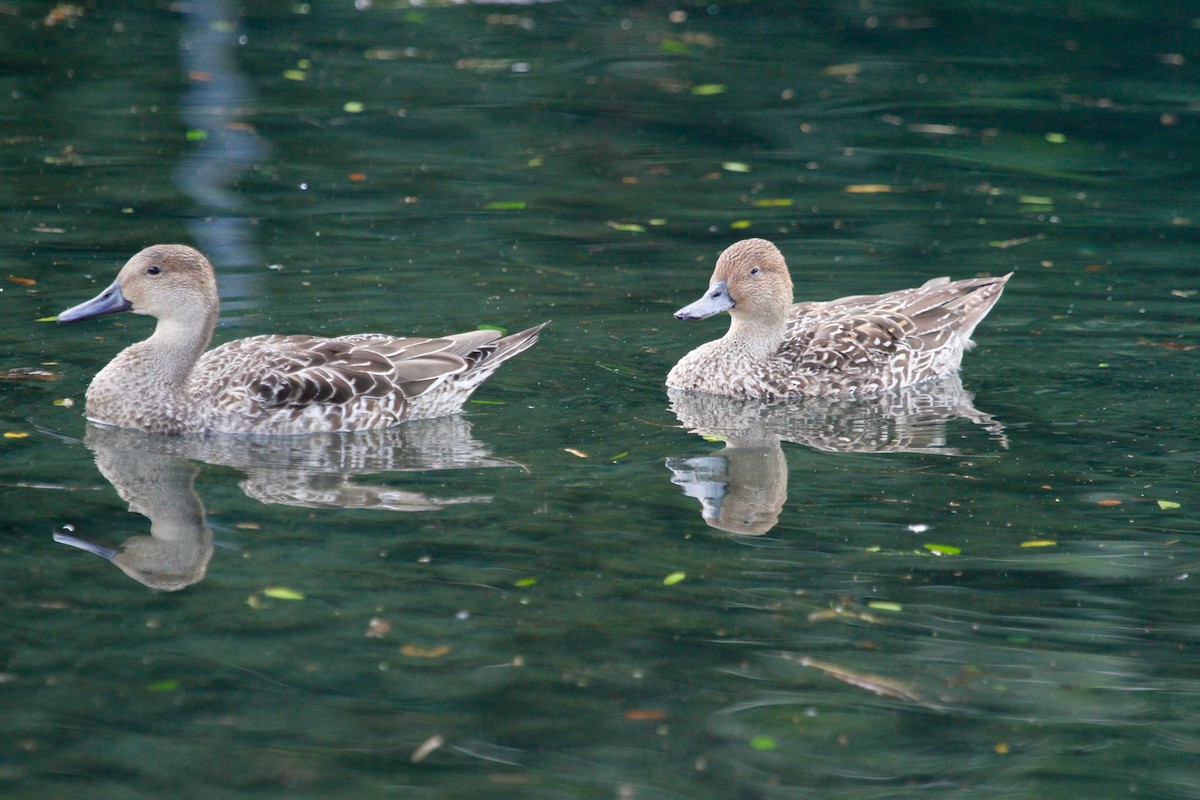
point(869, 188)
point(15, 435)
point(417, 651)
point(735, 166)
point(774, 202)
point(1039, 543)
point(740, 224)
point(708, 88)
point(283, 593)
point(1167, 505)
point(674, 578)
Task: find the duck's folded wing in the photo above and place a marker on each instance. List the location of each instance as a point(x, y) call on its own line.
point(302, 370)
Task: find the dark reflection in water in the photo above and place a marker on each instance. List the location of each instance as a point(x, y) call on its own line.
point(155, 476)
point(743, 487)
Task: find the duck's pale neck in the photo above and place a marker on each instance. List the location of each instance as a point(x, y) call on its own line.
point(757, 337)
point(174, 348)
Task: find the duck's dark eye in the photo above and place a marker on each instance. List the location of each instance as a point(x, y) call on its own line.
point(755, 270)
point(154, 270)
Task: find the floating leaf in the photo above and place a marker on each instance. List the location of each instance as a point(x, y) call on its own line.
point(1006, 243)
point(196, 135)
point(705, 89)
point(353, 107)
point(295, 74)
point(64, 402)
point(735, 166)
point(163, 686)
point(46, 319)
point(626, 226)
point(774, 202)
point(15, 435)
point(943, 549)
point(417, 651)
point(1109, 503)
point(1035, 200)
point(1039, 543)
point(673, 46)
point(762, 743)
point(282, 593)
point(869, 188)
point(1167, 505)
point(644, 714)
point(506, 205)
point(524, 582)
point(740, 224)
point(674, 578)
point(884, 605)
point(22, 281)
point(574, 452)
point(28, 374)
point(1056, 138)
point(427, 747)
point(378, 627)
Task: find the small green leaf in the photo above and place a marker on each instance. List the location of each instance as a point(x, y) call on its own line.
point(943, 549)
point(196, 135)
point(774, 202)
point(883, 605)
point(705, 89)
point(163, 686)
point(1056, 138)
point(506, 205)
point(524, 582)
point(295, 74)
point(1167, 505)
point(763, 743)
point(735, 166)
point(740, 224)
point(674, 578)
point(353, 107)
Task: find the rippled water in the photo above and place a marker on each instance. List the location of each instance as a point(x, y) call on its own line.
point(979, 589)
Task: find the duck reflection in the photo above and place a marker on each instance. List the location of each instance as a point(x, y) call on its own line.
point(743, 487)
point(155, 475)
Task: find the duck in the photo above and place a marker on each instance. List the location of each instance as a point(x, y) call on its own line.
point(171, 383)
point(861, 345)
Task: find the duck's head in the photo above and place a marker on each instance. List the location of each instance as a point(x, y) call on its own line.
point(166, 281)
point(750, 281)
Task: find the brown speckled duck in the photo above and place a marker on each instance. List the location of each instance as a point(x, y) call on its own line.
point(856, 345)
point(269, 384)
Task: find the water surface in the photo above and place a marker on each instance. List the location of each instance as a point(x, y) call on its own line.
point(525, 602)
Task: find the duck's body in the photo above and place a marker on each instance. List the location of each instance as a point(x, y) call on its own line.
point(269, 384)
point(855, 345)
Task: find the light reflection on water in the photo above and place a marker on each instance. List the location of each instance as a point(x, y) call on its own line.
point(834, 653)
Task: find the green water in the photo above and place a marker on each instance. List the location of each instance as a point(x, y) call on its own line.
point(525, 602)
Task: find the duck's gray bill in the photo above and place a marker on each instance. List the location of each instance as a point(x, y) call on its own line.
point(110, 301)
point(715, 300)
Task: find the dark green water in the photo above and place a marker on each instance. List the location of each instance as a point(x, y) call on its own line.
point(430, 168)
